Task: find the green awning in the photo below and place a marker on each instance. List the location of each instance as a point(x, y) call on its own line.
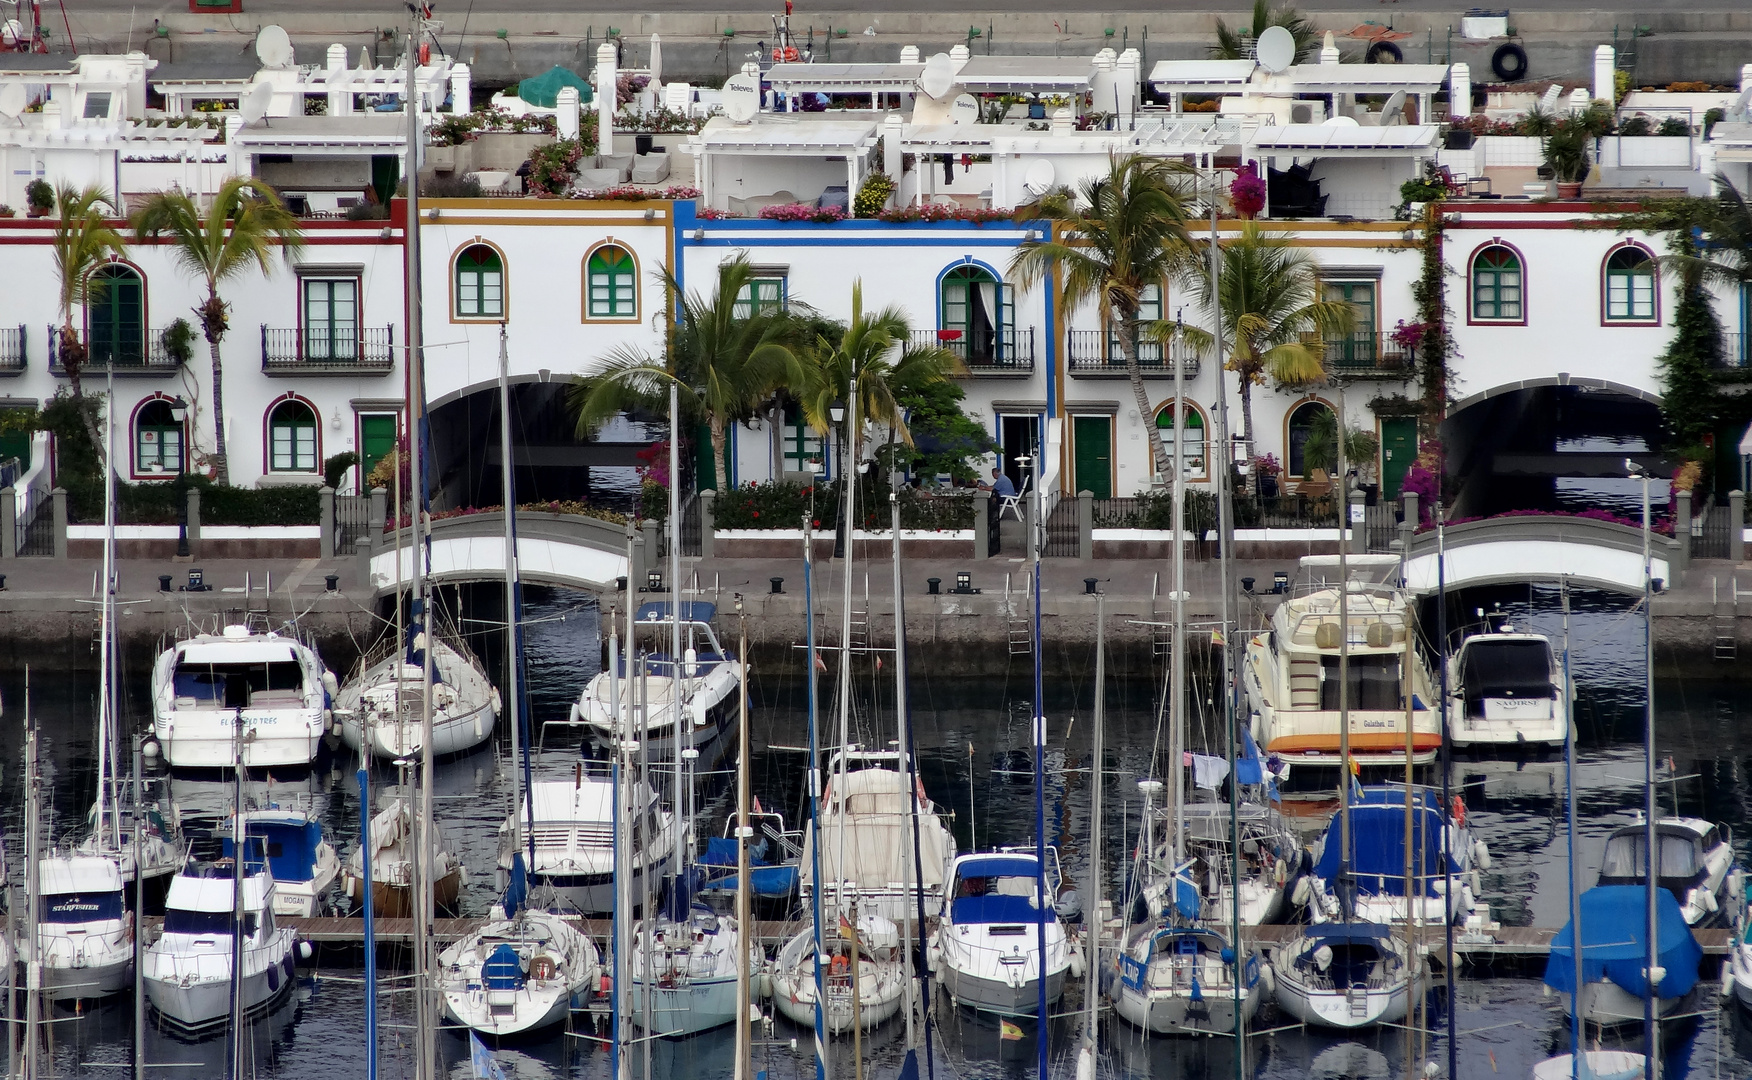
point(543, 91)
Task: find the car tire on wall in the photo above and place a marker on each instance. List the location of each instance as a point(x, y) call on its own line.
point(1509, 62)
point(1384, 52)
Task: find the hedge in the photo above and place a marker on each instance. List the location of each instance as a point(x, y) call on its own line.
point(783, 505)
point(160, 503)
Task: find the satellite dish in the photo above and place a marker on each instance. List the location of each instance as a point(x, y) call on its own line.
point(964, 110)
point(1276, 49)
point(254, 104)
point(1039, 177)
point(741, 98)
point(1393, 113)
point(938, 76)
point(12, 100)
point(273, 47)
point(1341, 121)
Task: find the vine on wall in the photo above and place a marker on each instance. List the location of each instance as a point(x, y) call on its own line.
point(1437, 347)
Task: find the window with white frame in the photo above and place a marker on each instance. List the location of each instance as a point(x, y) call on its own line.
point(1190, 445)
point(158, 439)
point(763, 295)
point(1630, 286)
point(480, 283)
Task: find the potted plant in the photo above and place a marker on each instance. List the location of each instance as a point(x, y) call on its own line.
point(1566, 155)
point(39, 197)
point(7, 211)
point(1268, 470)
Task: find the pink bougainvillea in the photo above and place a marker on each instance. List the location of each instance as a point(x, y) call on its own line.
point(1247, 191)
point(802, 212)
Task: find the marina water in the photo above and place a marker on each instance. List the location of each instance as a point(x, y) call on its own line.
point(972, 744)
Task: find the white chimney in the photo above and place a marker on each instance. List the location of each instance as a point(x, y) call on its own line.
point(1459, 91)
point(605, 98)
point(1605, 88)
point(566, 110)
point(461, 90)
point(909, 54)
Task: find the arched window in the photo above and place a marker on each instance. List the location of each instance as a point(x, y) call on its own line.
point(292, 437)
point(158, 439)
point(1496, 285)
point(480, 283)
point(1300, 427)
point(610, 287)
point(115, 312)
point(1190, 446)
point(977, 312)
point(1630, 286)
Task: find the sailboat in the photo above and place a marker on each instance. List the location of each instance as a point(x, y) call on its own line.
point(985, 951)
point(380, 705)
point(1445, 854)
point(394, 857)
point(685, 958)
point(517, 975)
point(704, 695)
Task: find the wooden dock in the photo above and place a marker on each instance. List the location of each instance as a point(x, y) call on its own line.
point(1507, 943)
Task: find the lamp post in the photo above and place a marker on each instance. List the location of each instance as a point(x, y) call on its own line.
point(1652, 972)
point(179, 411)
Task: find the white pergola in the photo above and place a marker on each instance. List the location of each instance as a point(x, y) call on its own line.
point(812, 135)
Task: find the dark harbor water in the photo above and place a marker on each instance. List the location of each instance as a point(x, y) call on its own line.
point(967, 731)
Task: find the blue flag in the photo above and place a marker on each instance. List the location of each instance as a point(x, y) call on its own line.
point(485, 1067)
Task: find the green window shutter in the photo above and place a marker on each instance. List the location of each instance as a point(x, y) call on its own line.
point(610, 273)
point(292, 438)
point(376, 442)
point(480, 284)
point(1496, 285)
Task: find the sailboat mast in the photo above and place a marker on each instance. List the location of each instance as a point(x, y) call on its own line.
point(32, 886)
point(744, 833)
point(684, 822)
point(1345, 897)
point(508, 497)
point(1652, 1034)
point(1575, 893)
point(1097, 751)
point(108, 800)
point(821, 1070)
point(1177, 656)
point(1447, 770)
point(137, 826)
point(1035, 538)
point(425, 1064)
point(848, 529)
point(238, 863)
point(904, 734)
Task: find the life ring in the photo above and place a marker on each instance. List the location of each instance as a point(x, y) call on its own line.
point(1459, 810)
point(1509, 62)
point(1384, 52)
point(425, 53)
point(840, 965)
point(543, 968)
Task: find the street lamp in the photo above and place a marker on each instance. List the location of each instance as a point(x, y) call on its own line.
point(179, 411)
point(837, 413)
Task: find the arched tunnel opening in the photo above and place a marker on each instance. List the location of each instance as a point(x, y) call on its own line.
point(549, 462)
point(1560, 448)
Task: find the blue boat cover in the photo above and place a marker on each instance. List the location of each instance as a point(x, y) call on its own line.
point(517, 890)
point(503, 970)
point(998, 866)
point(1339, 933)
point(691, 611)
point(997, 908)
point(291, 845)
point(1614, 920)
point(1378, 842)
point(721, 851)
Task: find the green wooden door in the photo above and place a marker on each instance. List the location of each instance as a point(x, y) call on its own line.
point(1398, 451)
point(376, 441)
point(117, 317)
point(1092, 438)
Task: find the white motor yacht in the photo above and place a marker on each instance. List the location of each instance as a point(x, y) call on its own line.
point(517, 975)
point(85, 935)
point(188, 970)
point(304, 864)
point(383, 703)
point(275, 686)
point(880, 974)
point(1346, 975)
point(1697, 861)
point(708, 685)
point(1291, 676)
point(986, 950)
point(393, 865)
point(864, 826)
point(1506, 691)
point(573, 840)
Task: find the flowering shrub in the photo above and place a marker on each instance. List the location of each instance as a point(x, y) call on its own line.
point(873, 193)
point(629, 193)
point(1662, 524)
point(1267, 465)
point(939, 212)
point(653, 467)
point(627, 87)
point(709, 214)
point(802, 212)
point(552, 167)
point(660, 121)
point(1408, 335)
point(1247, 191)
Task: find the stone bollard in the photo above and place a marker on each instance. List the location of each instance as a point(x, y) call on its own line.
point(325, 496)
point(1681, 535)
point(379, 517)
point(8, 523)
point(58, 504)
point(982, 525)
point(1357, 538)
point(708, 520)
point(194, 522)
point(1737, 525)
point(1408, 527)
point(1085, 525)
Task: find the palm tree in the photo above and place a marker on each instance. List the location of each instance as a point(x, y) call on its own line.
point(1274, 321)
point(864, 362)
point(1232, 44)
point(84, 241)
point(240, 230)
point(725, 363)
point(1120, 233)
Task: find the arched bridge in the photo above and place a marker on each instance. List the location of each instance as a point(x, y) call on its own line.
point(566, 550)
point(1502, 550)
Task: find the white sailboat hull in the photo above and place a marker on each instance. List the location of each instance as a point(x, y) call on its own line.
point(1607, 1004)
point(542, 999)
point(1343, 1009)
point(882, 988)
point(1166, 1012)
point(680, 1011)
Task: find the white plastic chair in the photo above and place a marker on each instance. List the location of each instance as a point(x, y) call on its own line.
point(1012, 504)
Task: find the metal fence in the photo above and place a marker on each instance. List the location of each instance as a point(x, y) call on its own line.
point(1381, 526)
point(994, 527)
point(36, 534)
point(1061, 530)
point(691, 522)
point(352, 522)
point(1712, 532)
